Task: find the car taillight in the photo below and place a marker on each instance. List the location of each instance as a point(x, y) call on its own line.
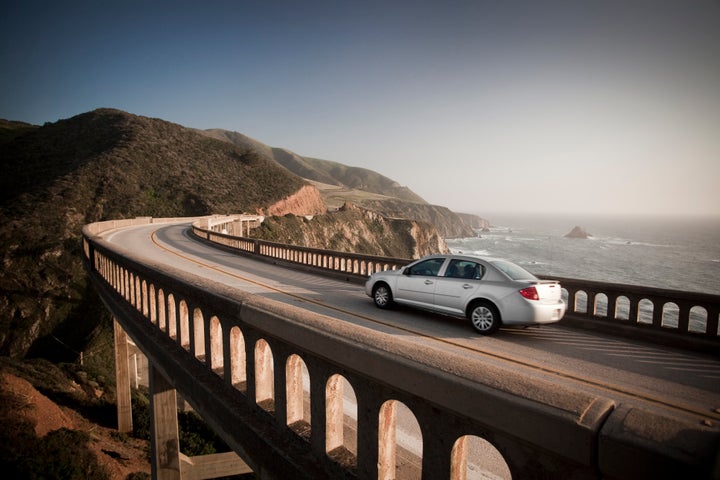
point(530, 293)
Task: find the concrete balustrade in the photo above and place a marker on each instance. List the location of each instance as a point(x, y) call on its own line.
point(351, 265)
point(686, 319)
point(240, 361)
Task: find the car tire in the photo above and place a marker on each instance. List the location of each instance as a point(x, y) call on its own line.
point(382, 296)
point(484, 317)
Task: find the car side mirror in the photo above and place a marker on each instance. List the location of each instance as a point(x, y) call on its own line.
point(407, 271)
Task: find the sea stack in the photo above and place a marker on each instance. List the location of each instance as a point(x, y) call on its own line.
point(577, 232)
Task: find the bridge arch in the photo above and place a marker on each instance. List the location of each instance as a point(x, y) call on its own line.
point(670, 315)
point(645, 311)
point(264, 376)
point(600, 308)
point(698, 319)
point(198, 337)
point(475, 457)
point(238, 371)
point(172, 317)
point(153, 304)
point(340, 421)
point(184, 324)
point(161, 310)
point(297, 385)
point(216, 357)
point(391, 441)
point(622, 308)
point(580, 303)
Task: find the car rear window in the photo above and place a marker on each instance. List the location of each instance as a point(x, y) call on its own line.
point(513, 271)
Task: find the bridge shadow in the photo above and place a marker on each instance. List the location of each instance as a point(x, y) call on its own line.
point(684, 367)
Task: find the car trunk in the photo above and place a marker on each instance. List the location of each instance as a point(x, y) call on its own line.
point(548, 291)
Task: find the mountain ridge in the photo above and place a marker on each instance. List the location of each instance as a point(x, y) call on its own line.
point(340, 184)
point(323, 171)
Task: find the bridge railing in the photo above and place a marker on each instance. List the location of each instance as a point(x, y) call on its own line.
point(680, 318)
point(273, 381)
point(688, 317)
point(350, 264)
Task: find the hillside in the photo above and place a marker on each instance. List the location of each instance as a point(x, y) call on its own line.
point(323, 171)
point(104, 164)
point(128, 165)
point(9, 129)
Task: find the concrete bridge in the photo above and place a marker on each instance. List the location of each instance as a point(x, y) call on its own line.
point(273, 379)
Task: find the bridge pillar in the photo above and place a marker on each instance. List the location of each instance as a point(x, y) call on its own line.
point(164, 435)
point(122, 379)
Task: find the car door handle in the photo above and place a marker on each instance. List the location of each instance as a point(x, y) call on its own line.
point(429, 282)
point(467, 286)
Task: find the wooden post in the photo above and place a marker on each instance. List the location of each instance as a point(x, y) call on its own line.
point(122, 379)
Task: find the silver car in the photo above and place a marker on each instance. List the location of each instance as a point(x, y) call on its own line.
point(490, 292)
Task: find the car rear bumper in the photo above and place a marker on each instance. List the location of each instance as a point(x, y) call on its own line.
point(533, 312)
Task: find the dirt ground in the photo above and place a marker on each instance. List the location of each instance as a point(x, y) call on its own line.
point(120, 455)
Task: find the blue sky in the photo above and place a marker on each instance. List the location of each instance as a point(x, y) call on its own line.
point(577, 107)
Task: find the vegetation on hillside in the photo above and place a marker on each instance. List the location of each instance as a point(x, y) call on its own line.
point(324, 171)
point(10, 129)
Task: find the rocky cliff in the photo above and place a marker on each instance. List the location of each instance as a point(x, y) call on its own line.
point(474, 221)
point(448, 223)
point(355, 229)
point(306, 201)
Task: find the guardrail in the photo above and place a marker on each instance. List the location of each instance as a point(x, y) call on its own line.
point(353, 265)
point(271, 380)
point(684, 319)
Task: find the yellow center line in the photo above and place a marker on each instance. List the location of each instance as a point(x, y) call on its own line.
point(504, 357)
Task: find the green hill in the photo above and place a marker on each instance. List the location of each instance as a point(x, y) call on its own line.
point(324, 171)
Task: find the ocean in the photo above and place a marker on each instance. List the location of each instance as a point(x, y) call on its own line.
point(662, 252)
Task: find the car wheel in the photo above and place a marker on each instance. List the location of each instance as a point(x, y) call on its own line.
point(382, 296)
point(485, 318)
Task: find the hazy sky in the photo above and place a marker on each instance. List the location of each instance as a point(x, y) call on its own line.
point(483, 106)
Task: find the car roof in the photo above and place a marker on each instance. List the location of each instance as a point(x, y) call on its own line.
point(467, 256)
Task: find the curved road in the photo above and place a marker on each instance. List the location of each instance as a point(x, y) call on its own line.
point(629, 371)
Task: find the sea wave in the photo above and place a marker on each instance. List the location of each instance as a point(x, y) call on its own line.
point(460, 251)
point(628, 242)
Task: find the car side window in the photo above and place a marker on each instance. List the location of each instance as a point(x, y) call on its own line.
point(428, 268)
point(454, 269)
point(464, 269)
